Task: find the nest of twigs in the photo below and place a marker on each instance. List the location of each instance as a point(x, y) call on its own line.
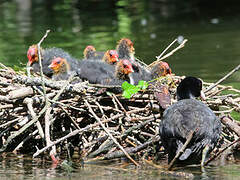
point(38, 115)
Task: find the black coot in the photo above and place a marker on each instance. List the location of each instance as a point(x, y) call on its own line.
point(186, 115)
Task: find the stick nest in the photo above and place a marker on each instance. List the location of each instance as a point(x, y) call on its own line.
point(77, 119)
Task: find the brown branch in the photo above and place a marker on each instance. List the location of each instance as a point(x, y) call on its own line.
point(221, 151)
point(222, 79)
point(169, 54)
point(109, 134)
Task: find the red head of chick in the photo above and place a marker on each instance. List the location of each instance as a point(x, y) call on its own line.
point(89, 52)
point(110, 57)
point(59, 65)
point(125, 49)
point(161, 69)
point(123, 70)
point(32, 54)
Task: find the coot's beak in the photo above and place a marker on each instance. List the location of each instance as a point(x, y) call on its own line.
point(202, 96)
point(51, 66)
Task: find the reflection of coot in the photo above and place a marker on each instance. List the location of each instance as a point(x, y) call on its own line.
point(186, 115)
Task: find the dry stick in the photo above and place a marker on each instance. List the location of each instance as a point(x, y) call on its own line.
point(231, 124)
point(47, 134)
point(121, 106)
point(179, 153)
point(29, 103)
point(35, 119)
point(158, 57)
point(73, 133)
point(221, 151)
point(26, 126)
point(109, 134)
point(169, 54)
point(10, 122)
point(74, 123)
point(224, 78)
point(40, 63)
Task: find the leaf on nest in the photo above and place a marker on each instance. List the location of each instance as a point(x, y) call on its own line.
point(129, 89)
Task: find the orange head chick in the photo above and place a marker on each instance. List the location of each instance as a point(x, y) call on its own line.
point(123, 68)
point(59, 65)
point(110, 57)
point(161, 69)
point(89, 51)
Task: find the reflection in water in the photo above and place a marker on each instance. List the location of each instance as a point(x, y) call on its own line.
point(23, 17)
point(24, 167)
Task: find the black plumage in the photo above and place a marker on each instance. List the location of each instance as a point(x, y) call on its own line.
point(99, 72)
point(186, 115)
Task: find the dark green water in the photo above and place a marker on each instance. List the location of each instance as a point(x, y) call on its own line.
point(212, 51)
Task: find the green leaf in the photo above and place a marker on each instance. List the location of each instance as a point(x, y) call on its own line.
point(142, 84)
point(129, 90)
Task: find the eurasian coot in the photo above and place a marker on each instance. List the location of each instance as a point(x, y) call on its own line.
point(189, 114)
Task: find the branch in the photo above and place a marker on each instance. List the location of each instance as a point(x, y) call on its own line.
point(109, 134)
point(179, 153)
point(169, 54)
point(224, 78)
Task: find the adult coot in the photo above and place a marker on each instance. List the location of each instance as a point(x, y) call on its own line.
point(186, 115)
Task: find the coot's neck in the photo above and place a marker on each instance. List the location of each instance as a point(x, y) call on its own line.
point(184, 93)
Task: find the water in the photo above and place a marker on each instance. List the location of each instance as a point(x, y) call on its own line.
point(24, 167)
point(212, 51)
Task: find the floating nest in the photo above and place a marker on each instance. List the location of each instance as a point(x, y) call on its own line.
point(40, 116)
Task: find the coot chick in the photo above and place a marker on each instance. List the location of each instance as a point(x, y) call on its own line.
point(125, 49)
point(160, 69)
point(91, 53)
point(61, 69)
point(186, 115)
point(99, 72)
point(47, 56)
point(32, 55)
point(110, 57)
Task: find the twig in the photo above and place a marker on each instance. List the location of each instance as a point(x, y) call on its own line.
point(179, 153)
point(40, 63)
point(109, 134)
point(158, 57)
point(77, 131)
point(29, 103)
point(121, 106)
point(222, 79)
point(221, 151)
point(169, 54)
